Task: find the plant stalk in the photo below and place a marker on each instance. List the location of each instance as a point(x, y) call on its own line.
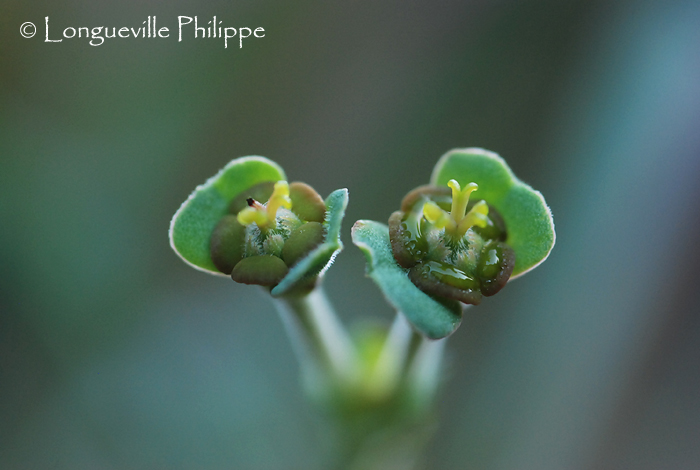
point(319, 339)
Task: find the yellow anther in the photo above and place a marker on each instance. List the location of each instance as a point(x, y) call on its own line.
point(265, 216)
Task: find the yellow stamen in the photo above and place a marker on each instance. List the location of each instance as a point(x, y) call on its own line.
point(279, 198)
point(265, 216)
point(476, 216)
point(438, 217)
point(251, 215)
point(457, 222)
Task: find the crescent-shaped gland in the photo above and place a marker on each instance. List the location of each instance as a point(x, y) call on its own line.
point(406, 246)
point(263, 270)
point(495, 228)
point(301, 241)
point(445, 281)
point(306, 202)
point(495, 267)
point(226, 243)
point(441, 195)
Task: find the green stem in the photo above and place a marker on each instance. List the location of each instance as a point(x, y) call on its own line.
point(392, 360)
point(318, 338)
point(396, 441)
point(424, 372)
point(377, 435)
point(394, 448)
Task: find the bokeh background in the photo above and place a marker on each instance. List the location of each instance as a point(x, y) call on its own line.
point(115, 355)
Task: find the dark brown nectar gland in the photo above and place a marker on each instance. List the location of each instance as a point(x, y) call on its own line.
point(444, 280)
point(407, 242)
point(439, 261)
point(495, 267)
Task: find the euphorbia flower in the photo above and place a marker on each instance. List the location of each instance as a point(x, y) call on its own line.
point(249, 223)
point(474, 227)
point(452, 248)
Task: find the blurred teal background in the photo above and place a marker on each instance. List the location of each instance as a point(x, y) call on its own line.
point(116, 355)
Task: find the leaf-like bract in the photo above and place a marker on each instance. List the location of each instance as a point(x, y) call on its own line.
point(433, 318)
point(195, 220)
point(320, 258)
point(528, 218)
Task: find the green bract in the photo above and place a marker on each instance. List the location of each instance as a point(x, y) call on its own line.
point(319, 260)
point(225, 227)
point(527, 217)
point(445, 246)
point(435, 318)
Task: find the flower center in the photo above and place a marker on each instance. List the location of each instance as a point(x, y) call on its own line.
point(265, 215)
point(458, 220)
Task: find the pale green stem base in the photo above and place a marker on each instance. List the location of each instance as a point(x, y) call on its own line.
point(319, 340)
point(425, 371)
point(384, 409)
point(392, 360)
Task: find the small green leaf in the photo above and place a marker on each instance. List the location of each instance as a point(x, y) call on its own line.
point(320, 258)
point(435, 319)
point(194, 222)
point(528, 218)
